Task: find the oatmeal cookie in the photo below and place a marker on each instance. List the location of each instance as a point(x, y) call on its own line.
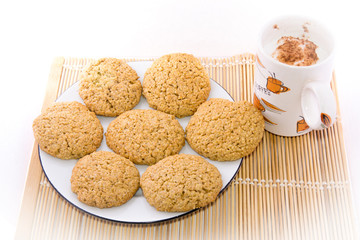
point(181, 183)
point(145, 136)
point(110, 87)
point(177, 84)
point(104, 179)
point(225, 131)
point(68, 130)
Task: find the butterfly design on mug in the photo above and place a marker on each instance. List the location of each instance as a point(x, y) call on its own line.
point(325, 119)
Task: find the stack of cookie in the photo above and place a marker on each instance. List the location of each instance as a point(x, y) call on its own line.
point(175, 86)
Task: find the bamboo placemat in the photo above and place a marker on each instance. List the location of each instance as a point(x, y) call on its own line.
point(288, 188)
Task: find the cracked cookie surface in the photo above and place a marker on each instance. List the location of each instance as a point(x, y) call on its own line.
point(110, 87)
point(224, 131)
point(104, 179)
point(176, 84)
point(68, 130)
point(181, 183)
point(145, 136)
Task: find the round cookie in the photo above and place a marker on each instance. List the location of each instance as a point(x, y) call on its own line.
point(145, 136)
point(177, 84)
point(68, 130)
point(104, 179)
point(225, 131)
point(181, 183)
point(110, 87)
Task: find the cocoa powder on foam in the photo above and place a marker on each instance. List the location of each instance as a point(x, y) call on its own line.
point(296, 51)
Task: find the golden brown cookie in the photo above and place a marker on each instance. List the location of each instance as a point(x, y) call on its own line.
point(145, 136)
point(68, 130)
point(224, 131)
point(181, 183)
point(176, 84)
point(104, 179)
point(110, 87)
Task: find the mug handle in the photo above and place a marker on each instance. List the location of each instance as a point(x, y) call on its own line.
point(318, 105)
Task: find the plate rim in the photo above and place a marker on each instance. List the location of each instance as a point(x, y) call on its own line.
point(145, 222)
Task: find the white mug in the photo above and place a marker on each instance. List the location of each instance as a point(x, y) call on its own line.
point(294, 99)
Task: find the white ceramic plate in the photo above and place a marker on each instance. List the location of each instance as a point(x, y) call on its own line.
point(136, 210)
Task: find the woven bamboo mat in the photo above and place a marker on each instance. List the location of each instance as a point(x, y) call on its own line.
point(289, 188)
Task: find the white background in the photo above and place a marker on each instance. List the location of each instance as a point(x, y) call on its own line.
point(33, 32)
